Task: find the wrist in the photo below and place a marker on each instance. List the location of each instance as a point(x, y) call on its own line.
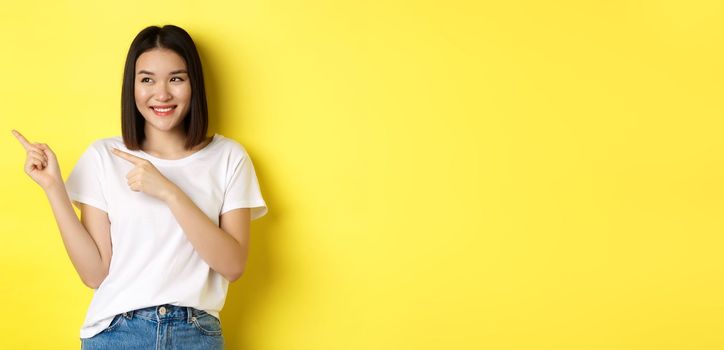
point(56, 186)
point(172, 194)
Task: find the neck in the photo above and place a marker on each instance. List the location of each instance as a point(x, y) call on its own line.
point(164, 143)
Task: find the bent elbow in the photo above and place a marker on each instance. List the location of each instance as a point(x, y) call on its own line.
point(94, 282)
point(234, 276)
point(91, 284)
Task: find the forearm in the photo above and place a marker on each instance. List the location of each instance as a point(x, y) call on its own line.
point(81, 247)
point(219, 249)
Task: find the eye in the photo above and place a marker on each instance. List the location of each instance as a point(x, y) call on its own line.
point(179, 78)
point(143, 80)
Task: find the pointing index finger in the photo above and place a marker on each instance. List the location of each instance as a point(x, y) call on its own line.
point(22, 139)
point(127, 156)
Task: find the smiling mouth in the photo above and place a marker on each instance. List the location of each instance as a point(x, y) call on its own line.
point(163, 109)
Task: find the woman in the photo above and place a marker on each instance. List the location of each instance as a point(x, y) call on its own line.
point(165, 210)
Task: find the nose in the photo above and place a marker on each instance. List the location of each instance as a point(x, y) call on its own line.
point(163, 93)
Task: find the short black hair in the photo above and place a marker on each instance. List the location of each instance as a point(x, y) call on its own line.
point(178, 40)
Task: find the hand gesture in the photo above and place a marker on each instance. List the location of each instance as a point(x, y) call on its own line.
point(41, 164)
point(146, 178)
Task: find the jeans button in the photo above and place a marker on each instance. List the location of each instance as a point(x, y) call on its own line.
point(162, 310)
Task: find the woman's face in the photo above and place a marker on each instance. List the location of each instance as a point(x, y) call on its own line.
point(162, 89)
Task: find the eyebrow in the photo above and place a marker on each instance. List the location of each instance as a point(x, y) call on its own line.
point(151, 73)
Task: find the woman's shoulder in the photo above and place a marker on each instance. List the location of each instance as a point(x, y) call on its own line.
point(230, 144)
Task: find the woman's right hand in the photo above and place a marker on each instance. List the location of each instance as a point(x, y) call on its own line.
point(41, 164)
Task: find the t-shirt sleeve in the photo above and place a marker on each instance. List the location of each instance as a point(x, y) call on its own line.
point(242, 190)
point(85, 182)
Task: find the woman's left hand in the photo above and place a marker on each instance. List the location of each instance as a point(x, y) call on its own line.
point(146, 178)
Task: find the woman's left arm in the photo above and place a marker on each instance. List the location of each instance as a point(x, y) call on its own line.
point(224, 247)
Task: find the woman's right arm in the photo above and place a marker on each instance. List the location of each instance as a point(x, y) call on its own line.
point(88, 243)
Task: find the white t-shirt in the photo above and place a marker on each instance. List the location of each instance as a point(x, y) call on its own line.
point(153, 261)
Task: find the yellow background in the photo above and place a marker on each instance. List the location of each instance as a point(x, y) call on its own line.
point(440, 174)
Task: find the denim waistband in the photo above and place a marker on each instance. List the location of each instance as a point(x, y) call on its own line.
point(165, 312)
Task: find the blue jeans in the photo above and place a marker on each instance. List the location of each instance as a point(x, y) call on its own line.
point(159, 327)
